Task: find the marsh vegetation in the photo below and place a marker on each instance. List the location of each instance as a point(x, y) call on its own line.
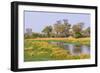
point(62, 41)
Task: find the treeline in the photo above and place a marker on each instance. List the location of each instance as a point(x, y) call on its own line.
point(61, 29)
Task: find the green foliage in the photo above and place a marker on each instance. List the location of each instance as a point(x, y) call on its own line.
point(77, 30)
point(77, 35)
point(47, 30)
point(40, 50)
point(86, 32)
point(34, 35)
point(27, 36)
point(61, 29)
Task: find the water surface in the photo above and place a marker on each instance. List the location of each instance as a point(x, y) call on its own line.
point(74, 49)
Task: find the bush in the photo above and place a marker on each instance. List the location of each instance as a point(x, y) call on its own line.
point(77, 35)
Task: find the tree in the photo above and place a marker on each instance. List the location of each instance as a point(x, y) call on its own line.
point(57, 28)
point(77, 30)
point(67, 27)
point(47, 30)
point(86, 32)
point(65, 21)
point(62, 29)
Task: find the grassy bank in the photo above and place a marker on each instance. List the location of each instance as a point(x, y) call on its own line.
point(84, 41)
point(40, 50)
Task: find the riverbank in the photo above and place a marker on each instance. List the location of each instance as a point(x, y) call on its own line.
point(39, 49)
point(84, 41)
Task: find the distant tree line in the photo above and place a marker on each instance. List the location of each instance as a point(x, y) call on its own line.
point(61, 29)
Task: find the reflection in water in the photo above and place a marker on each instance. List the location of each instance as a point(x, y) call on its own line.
point(74, 49)
point(77, 49)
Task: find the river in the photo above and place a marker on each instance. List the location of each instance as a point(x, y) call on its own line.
point(74, 49)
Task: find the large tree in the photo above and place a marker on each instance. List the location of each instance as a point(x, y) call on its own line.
point(67, 27)
point(57, 28)
point(62, 29)
point(47, 30)
point(77, 29)
point(86, 32)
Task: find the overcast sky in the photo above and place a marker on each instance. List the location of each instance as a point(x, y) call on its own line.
point(38, 20)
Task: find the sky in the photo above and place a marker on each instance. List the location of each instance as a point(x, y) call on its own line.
point(38, 20)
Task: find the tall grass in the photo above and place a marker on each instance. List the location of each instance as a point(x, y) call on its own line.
point(85, 41)
point(40, 50)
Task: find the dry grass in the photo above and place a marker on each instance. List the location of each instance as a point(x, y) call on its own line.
point(68, 40)
point(42, 50)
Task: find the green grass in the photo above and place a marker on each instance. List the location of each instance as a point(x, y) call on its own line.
point(82, 41)
point(41, 50)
